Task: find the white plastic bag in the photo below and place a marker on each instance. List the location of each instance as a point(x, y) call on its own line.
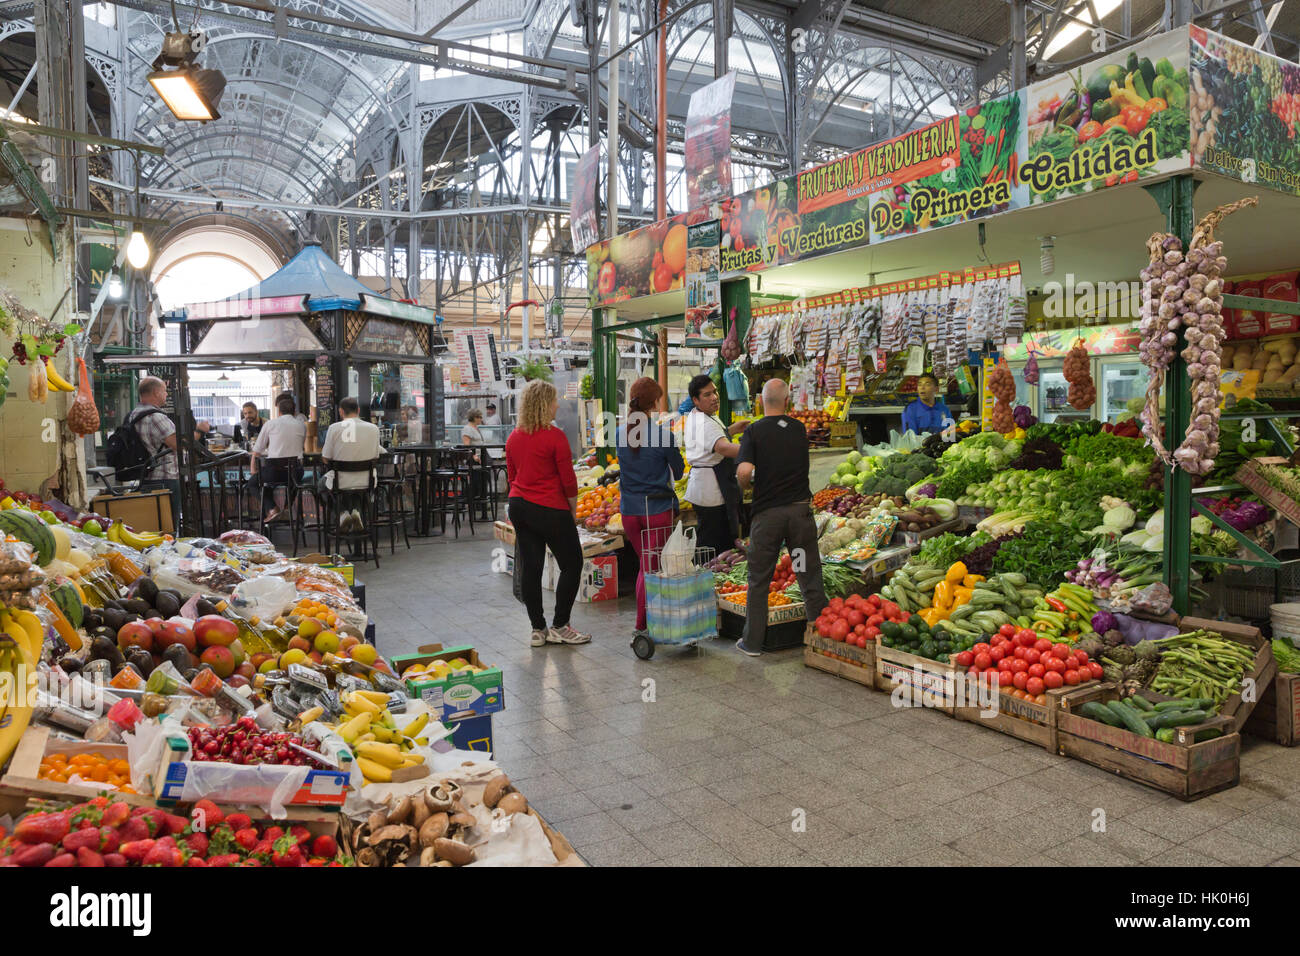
point(678, 556)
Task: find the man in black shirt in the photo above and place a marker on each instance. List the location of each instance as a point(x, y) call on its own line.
point(774, 460)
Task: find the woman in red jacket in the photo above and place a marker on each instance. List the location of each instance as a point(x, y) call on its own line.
point(543, 509)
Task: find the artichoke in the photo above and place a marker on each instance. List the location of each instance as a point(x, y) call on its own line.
point(1147, 651)
point(1122, 654)
point(1113, 638)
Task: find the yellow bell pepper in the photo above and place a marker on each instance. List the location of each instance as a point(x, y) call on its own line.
point(961, 595)
point(932, 615)
point(956, 573)
point(970, 580)
point(943, 595)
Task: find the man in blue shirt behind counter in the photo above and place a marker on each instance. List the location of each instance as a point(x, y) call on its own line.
point(926, 414)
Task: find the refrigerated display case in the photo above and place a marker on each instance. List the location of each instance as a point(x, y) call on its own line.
point(1120, 379)
point(1053, 389)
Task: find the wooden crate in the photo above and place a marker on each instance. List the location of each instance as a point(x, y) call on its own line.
point(926, 683)
point(857, 664)
point(775, 615)
point(1186, 769)
point(1236, 708)
point(1276, 715)
point(23, 778)
point(1022, 719)
point(914, 538)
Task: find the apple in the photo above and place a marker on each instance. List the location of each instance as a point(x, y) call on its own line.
point(213, 630)
point(268, 665)
point(257, 660)
point(246, 670)
point(92, 526)
point(293, 655)
point(298, 643)
point(327, 642)
point(363, 653)
point(219, 659)
point(237, 648)
point(238, 680)
point(173, 632)
point(135, 634)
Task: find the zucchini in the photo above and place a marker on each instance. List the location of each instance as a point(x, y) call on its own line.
point(1099, 712)
point(985, 598)
point(1010, 592)
point(1132, 720)
point(1014, 578)
point(961, 611)
point(1140, 702)
point(1180, 718)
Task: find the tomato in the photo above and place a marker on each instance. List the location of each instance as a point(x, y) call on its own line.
point(1054, 663)
point(972, 670)
point(1034, 686)
point(1089, 130)
point(874, 600)
point(998, 653)
point(1072, 676)
point(1053, 680)
point(1094, 669)
point(861, 641)
point(860, 630)
point(1135, 120)
point(823, 627)
point(1018, 653)
point(876, 620)
point(965, 659)
point(836, 603)
point(854, 617)
point(1032, 655)
point(1077, 659)
point(889, 607)
point(1019, 666)
point(1061, 650)
point(981, 648)
point(1036, 670)
point(1042, 645)
point(982, 660)
point(1005, 678)
point(1113, 121)
point(872, 632)
point(1026, 634)
point(1040, 699)
point(1020, 680)
point(1005, 665)
point(839, 631)
point(1007, 630)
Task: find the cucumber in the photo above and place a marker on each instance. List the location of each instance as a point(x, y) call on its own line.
point(1140, 702)
point(1099, 712)
point(1130, 717)
point(1180, 718)
point(900, 598)
point(1165, 735)
point(986, 598)
point(1208, 733)
point(1188, 703)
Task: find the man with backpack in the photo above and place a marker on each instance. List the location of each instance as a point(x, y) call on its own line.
point(146, 431)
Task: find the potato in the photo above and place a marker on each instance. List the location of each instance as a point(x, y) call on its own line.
point(1291, 374)
point(1225, 357)
point(1272, 375)
point(1240, 362)
point(1260, 361)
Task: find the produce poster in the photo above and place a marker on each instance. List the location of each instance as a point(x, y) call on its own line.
point(1115, 120)
point(638, 263)
point(708, 142)
point(583, 224)
point(974, 176)
point(1245, 112)
point(703, 285)
point(1097, 339)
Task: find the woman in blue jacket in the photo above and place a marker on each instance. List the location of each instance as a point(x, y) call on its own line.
point(649, 461)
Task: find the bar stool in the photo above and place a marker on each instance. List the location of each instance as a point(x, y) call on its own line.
point(339, 501)
point(291, 486)
point(393, 485)
point(453, 488)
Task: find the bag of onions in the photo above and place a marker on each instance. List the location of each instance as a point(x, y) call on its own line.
point(1002, 387)
point(1078, 372)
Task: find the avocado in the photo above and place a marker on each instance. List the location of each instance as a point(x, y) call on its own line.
point(204, 607)
point(102, 648)
point(112, 617)
point(146, 590)
point(179, 656)
point(167, 605)
point(173, 593)
point(141, 660)
point(190, 674)
point(71, 665)
point(153, 615)
point(137, 606)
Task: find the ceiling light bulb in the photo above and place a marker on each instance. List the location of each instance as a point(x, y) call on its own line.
point(137, 250)
point(114, 285)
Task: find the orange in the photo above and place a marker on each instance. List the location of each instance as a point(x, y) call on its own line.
point(99, 773)
point(674, 248)
point(119, 766)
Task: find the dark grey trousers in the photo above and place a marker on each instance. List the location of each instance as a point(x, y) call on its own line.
point(793, 526)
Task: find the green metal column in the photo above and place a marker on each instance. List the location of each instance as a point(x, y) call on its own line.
point(1174, 197)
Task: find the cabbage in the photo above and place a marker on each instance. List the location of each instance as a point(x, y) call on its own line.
point(865, 467)
point(1104, 621)
point(1202, 525)
point(854, 458)
point(925, 488)
point(1119, 518)
point(1156, 523)
point(945, 508)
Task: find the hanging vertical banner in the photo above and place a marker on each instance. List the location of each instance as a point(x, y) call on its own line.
point(583, 226)
point(708, 142)
point(703, 285)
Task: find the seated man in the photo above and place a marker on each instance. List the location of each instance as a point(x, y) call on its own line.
point(349, 439)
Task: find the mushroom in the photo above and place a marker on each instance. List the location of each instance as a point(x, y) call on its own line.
point(434, 828)
point(496, 788)
point(393, 833)
point(428, 856)
point(463, 819)
point(439, 799)
point(453, 851)
point(377, 820)
point(513, 803)
point(367, 857)
point(401, 812)
point(419, 813)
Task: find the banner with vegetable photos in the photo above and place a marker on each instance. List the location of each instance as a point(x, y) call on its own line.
point(708, 142)
point(583, 224)
point(703, 285)
point(641, 262)
point(976, 177)
point(765, 228)
point(1115, 120)
point(1245, 113)
point(1097, 339)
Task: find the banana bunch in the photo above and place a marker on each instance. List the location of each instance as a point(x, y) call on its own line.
point(379, 744)
point(56, 381)
point(120, 534)
point(21, 637)
point(4, 379)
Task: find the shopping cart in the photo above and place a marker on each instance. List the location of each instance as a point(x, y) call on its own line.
point(680, 604)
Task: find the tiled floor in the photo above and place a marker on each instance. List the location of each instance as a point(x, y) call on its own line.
point(707, 757)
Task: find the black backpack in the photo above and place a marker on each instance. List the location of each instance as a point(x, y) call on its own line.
point(125, 451)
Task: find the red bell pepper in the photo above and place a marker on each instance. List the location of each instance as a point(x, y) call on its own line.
point(1056, 604)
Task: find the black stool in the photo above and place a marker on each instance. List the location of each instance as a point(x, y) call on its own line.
point(391, 511)
point(342, 500)
point(453, 492)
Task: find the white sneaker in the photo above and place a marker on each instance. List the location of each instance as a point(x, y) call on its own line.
point(356, 518)
point(538, 638)
point(567, 635)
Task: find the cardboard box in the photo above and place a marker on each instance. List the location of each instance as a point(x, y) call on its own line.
point(598, 582)
point(145, 511)
point(331, 563)
point(25, 766)
point(472, 733)
point(457, 696)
